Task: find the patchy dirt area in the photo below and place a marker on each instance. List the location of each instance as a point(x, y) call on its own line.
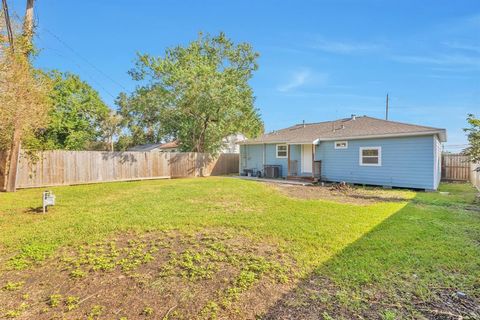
point(343, 193)
point(168, 275)
point(318, 298)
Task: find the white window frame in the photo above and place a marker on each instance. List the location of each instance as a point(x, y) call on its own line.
point(276, 149)
point(360, 154)
point(341, 141)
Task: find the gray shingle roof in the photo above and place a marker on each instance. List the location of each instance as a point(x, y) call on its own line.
point(145, 147)
point(349, 128)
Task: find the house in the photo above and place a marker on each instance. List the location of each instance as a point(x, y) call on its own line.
point(171, 146)
point(230, 145)
point(160, 147)
point(362, 150)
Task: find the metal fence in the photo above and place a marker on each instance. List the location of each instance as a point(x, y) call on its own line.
point(53, 168)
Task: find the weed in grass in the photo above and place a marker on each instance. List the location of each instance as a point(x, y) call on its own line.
point(10, 314)
point(147, 311)
point(195, 265)
point(252, 269)
point(326, 316)
point(77, 274)
point(71, 303)
point(107, 256)
point(13, 286)
point(54, 300)
point(95, 312)
point(190, 265)
point(210, 310)
point(389, 315)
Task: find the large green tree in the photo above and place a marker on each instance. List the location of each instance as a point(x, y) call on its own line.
point(473, 133)
point(78, 112)
point(198, 94)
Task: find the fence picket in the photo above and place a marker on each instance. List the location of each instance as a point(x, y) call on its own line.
point(455, 167)
point(77, 167)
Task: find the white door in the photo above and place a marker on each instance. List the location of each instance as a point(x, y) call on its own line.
point(307, 158)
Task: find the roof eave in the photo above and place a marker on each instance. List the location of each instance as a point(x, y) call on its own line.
point(279, 141)
point(441, 133)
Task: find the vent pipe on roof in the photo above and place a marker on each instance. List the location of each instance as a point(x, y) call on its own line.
point(354, 116)
point(304, 123)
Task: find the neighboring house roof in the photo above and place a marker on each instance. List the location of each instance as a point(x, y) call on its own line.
point(349, 128)
point(169, 145)
point(145, 147)
point(154, 146)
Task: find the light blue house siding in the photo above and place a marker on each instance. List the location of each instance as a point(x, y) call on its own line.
point(406, 162)
point(252, 157)
point(437, 145)
point(271, 158)
point(411, 162)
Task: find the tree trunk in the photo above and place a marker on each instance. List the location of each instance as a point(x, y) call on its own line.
point(17, 131)
point(13, 161)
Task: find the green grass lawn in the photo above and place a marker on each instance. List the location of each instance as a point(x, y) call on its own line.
point(383, 260)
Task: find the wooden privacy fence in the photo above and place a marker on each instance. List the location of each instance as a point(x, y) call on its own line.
point(455, 167)
point(77, 167)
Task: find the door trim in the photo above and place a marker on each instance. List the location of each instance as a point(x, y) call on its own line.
point(306, 159)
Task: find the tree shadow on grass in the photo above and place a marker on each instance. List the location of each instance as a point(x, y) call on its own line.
point(421, 262)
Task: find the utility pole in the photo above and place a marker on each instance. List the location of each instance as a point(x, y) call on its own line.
point(28, 26)
point(15, 146)
point(386, 109)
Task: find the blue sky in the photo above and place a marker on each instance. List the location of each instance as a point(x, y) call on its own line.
point(320, 60)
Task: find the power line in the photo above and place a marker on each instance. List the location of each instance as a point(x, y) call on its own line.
point(456, 145)
point(84, 59)
point(84, 70)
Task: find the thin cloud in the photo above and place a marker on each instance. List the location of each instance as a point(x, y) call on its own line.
point(301, 78)
point(441, 60)
point(343, 47)
point(462, 46)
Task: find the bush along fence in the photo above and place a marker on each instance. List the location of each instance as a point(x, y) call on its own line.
point(54, 168)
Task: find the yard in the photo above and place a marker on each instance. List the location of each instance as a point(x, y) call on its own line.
point(229, 248)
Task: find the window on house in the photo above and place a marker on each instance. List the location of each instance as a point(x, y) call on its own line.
point(282, 150)
point(341, 144)
point(371, 156)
